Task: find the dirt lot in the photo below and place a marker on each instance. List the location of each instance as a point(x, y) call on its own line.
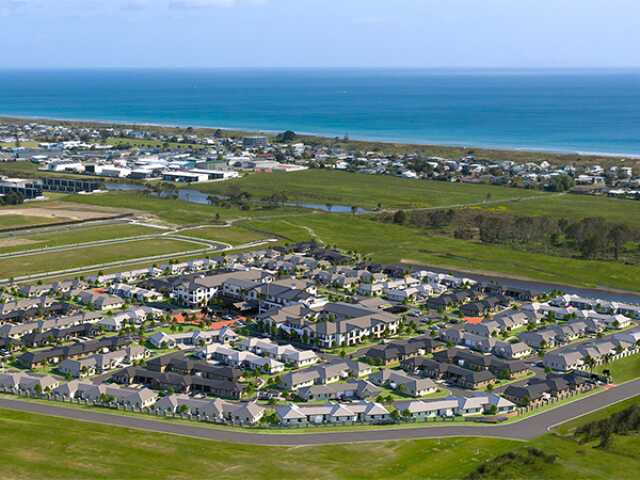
point(60, 212)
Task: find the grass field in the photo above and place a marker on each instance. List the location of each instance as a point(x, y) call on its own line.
point(235, 235)
point(571, 426)
point(367, 191)
point(53, 448)
point(47, 262)
point(575, 207)
point(39, 446)
point(9, 221)
point(622, 370)
point(393, 243)
point(71, 236)
point(173, 211)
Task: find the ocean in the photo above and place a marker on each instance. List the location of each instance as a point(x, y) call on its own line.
point(571, 111)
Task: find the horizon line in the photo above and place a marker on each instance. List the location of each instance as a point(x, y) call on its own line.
point(321, 67)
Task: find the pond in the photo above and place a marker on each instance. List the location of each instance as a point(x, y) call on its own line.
point(195, 196)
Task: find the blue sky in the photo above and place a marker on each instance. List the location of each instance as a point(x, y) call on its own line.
point(308, 33)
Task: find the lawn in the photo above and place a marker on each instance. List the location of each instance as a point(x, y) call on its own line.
point(71, 236)
point(12, 221)
point(169, 210)
point(571, 426)
point(622, 370)
point(235, 235)
point(38, 446)
point(367, 191)
point(76, 258)
point(392, 243)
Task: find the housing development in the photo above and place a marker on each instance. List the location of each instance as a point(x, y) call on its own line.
point(304, 334)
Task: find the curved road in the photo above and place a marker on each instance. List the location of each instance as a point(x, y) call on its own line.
point(526, 429)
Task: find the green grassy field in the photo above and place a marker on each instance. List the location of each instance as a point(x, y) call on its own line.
point(38, 446)
point(622, 370)
point(76, 235)
point(571, 426)
point(367, 191)
point(47, 262)
point(392, 243)
point(575, 207)
point(53, 448)
point(9, 221)
point(234, 235)
point(169, 210)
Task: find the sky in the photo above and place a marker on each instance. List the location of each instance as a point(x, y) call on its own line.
point(320, 33)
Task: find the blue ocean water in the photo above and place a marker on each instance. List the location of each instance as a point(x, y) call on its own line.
point(579, 111)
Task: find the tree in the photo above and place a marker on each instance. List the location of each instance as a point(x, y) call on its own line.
point(590, 362)
point(287, 136)
point(400, 217)
point(618, 235)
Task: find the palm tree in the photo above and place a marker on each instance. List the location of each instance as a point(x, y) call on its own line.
point(590, 362)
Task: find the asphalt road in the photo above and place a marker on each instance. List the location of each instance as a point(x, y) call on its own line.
point(526, 429)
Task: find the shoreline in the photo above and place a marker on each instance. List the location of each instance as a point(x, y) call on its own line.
point(328, 137)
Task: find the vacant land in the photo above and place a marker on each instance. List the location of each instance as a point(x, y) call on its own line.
point(53, 448)
point(393, 243)
point(56, 448)
point(58, 211)
point(233, 235)
point(366, 191)
point(14, 220)
point(46, 262)
point(575, 207)
point(329, 187)
point(72, 236)
point(172, 211)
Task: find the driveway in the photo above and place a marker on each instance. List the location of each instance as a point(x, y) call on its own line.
point(526, 429)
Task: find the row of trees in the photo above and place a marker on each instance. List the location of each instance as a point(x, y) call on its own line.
point(621, 423)
point(12, 198)
point(591, 237)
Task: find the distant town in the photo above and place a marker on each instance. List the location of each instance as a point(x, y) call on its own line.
point(108, 154)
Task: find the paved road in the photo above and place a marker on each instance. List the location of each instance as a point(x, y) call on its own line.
point(526, 429)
